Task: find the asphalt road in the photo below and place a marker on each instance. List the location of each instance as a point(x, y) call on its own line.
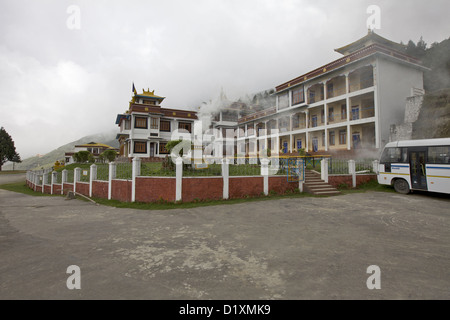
point(311, 248)
point(11, 178)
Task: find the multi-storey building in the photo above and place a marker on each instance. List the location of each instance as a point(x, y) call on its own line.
point(347, 104)
point(145, 128)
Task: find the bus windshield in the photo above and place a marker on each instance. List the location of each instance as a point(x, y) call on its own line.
point(394, 155)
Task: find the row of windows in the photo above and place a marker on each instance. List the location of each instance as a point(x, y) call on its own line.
point(164, 125)
point(436, 155)
point(141, 147)
point(332, 140)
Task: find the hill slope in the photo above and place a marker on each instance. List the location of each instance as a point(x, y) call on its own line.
point(434, 117)
point(49, 159)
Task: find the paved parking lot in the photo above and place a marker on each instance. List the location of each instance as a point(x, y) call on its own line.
point(310, 248)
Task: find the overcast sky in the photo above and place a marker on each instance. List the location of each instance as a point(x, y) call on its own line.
point(59, 84)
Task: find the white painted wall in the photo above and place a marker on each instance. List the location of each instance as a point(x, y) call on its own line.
point(395, 81)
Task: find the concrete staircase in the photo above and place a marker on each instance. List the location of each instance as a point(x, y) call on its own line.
point(316, 186)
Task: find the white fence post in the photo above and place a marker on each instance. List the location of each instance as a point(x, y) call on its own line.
point(324, 170)
point(226, 178)
point(301, 182)
point(136, 171)
point(265, 174)
point(44, 180)
point(179, 179)
point(111, 176)
point(92, 177)
point(76, 178)
point(54, 177)
point(63, 180)
point(375, 166)
point(352, 171)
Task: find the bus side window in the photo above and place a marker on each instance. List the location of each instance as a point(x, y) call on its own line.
point(439, 155)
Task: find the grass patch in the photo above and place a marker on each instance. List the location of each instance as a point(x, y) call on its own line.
point(372, 185)
point(21, 187)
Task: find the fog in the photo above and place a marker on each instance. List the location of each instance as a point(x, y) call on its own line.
point(65, 76)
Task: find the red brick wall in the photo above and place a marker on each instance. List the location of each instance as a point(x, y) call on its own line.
point(154, 189)
point(281, 185)
point(67, 187)
point(240, 187)
point(202, 189)
point(121, 190)
point(335, 181)
point(100, 189)
point(47, 189)
point(56, 189)
point(83, 188)
point(39, 189)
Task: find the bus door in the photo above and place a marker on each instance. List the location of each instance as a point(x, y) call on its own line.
point(417, 159)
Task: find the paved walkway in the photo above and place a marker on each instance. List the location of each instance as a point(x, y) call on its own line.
point(311, 248)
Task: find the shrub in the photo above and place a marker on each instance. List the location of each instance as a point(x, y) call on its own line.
point(109, 155)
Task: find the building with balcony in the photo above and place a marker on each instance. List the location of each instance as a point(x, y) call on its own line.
point(347, 104)
point(145, 128)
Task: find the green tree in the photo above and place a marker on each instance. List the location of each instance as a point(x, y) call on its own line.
point(7, 148)
point(109, 155)
point(81, 156)
point(91, 158)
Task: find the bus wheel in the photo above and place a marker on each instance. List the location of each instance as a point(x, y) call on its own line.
point(401, 186)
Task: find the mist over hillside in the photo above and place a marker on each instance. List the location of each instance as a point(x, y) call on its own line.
point(49, 159)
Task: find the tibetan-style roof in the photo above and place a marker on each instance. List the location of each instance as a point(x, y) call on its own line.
point(368, 40)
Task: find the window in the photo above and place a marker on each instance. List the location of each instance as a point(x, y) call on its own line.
point(331, 113)
point(162, 148)
point(356, 140)
point(127, 124)
point(323, 139)
point(330, 90)
point(140, 123)
point(314, 121)
point(312, 96)
point(391, 155)
point(355, 113)
point(140, 147)
point(298, 96)
point(322, 116)
point(185, 125)
point(332, 138)
point(299, 144)
point(165, 125)
point(343, 112)
point(343, 137)
point(150, 102)
point(154, 123)
point(296, 121)
point(439, 155)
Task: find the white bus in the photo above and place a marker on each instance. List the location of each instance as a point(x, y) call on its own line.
point(416, 165)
